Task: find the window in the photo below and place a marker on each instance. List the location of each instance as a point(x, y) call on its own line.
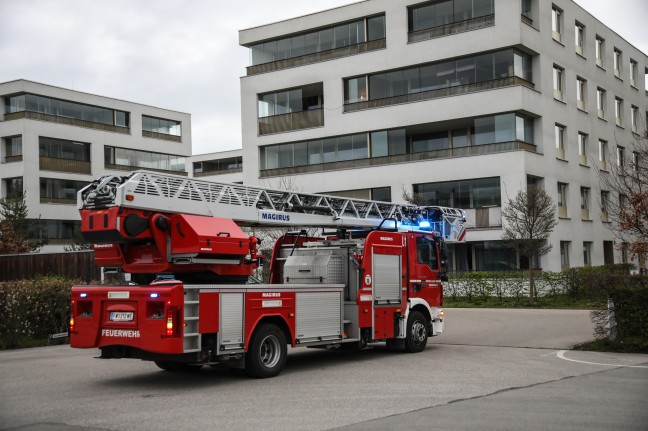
point(62, 108)
point(526, 9)
point(426, 253)
point(624, 252)
point(633, 73)
point(605, 205)
point(600, 102)
point(603, 150)
point(600, 53)
point(59, 191)
point(562, 200)
point(556, 23)
point(12, 149)
point(54, 229)
point(376, 194)
point(127, 159)
point(620, 152)
point(634, 118)
point(13, 187)
point(580, 38)
point(436, 76)
point(582, 148)
point(160, 125)
point(315, 152)
point(564, 255)
point(293, 100)
point(635, 161)
point(477, 193)
point(440, 13)
point(559, 135)
point(618, 111)
point(63, 149)
point(338, 36)
point(585, 203)
point(587, 253)
point(617, 63)
point(558, 73)
point(581, 91)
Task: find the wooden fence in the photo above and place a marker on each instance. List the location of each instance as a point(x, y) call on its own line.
point(25, 266)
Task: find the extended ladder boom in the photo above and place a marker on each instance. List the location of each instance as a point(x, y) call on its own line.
point(263, 206)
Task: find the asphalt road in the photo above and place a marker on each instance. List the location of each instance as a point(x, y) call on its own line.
point(490, 370)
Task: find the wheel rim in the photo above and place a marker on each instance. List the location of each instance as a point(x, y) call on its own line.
point(270, 351)
point(419, 332)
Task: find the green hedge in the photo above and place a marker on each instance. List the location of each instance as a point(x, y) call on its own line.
point(33, 308)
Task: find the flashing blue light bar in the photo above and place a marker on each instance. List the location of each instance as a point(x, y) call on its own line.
point(154, 295)
point(83, 295)
point(424, 224)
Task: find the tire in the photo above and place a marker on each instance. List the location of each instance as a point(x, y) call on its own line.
point(177, 366)
point(417, 332)
point(266, 355)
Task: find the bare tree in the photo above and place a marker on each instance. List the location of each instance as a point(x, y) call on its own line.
point(624, 195)
point(528, 220)
point(413, 198)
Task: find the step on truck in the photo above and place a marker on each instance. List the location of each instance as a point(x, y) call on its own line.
point(374, 274)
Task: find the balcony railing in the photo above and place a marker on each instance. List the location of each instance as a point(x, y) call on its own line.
point(441, 92)
point(137, 168)
point(453, 28)
point(66, 120)
point(164, 136)
point(12, 159)
point(317, 57)
point(403, 158)
point(63, 201)
point(291, 121)
point(217, 172)
point(64, 165)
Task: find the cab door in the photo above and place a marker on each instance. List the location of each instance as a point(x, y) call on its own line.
point(424, 269)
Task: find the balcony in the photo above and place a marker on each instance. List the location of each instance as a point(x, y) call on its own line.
point(13, 159)
point(59, 201)
point(217, 172)
point(317, 57)
point(138, 168)
point(292, 121)
point(453, 28)
point(66, 120)
point(441, 92)
point(64, 165)
point(403, 158)
point(163, 136)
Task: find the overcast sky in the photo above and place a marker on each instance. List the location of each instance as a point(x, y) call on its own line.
point(178, 54)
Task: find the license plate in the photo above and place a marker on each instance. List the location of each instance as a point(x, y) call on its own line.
point(121, 316)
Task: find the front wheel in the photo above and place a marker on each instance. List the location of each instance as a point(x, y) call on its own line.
point(417, 332)
point(267, 353)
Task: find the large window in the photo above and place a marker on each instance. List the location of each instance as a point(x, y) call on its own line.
point(439, 13)
point(300, 99)
point(434, 76)
point(459, 141)
point(374, 194)
point(160, 125)
point(126, 158)
point(12, 150)
point(63, 108)
point(63, 149)
point(326, 39)
point(478, 193)
point(328, 150)
point(55, 229)
point(13, 187)
point(59, 191)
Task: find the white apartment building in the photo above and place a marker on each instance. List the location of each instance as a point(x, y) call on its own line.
point(54, 141)
point(465, 102)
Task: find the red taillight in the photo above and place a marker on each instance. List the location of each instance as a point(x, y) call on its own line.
point(171, 322)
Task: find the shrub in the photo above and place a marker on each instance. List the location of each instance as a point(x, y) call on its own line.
point(34, 308)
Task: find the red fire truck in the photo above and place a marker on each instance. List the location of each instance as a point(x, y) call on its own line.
point(375, 275)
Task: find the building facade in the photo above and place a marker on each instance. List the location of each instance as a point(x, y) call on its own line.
point(464, 102)
point(54, 141)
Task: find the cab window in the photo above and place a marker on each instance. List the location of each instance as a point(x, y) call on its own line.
point(426, 253)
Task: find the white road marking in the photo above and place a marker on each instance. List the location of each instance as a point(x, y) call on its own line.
point(549, 354)
point(561, 355)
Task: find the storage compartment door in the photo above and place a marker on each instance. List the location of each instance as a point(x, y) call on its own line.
point(318, 316)
point(387, 278)
point(231, 320)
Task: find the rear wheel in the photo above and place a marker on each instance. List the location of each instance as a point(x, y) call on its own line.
point(267, 353)
point(417, 333)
